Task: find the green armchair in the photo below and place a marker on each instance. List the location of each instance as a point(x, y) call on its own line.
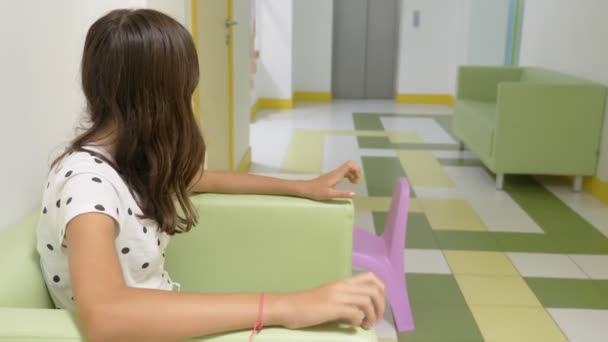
point(242, 243)
point(529, 121)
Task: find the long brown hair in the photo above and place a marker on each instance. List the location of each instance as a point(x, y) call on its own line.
point(139, 71)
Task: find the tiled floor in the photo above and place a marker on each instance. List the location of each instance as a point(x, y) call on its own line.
point(529, 263)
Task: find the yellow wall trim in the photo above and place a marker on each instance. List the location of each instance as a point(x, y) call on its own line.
point(596, 187)
point(230, 88)
point(245, 162)
point(425, 99)
point(266, 103)
point(255, 108)
point(317, 96)
point(196, 96)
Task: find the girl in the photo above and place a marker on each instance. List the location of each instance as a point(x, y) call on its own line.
point(109, 206)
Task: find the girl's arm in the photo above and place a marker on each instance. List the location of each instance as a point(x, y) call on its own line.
point(111, 311)
point(321, 188)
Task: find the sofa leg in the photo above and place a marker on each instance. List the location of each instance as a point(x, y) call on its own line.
point(500, 181)
point(577, 185)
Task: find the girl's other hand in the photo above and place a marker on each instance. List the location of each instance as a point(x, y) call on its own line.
point(324, 187)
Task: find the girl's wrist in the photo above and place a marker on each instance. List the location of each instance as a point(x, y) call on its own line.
point(277, 310)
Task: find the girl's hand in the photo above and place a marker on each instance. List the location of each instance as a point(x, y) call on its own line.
point(324, 187)
point(358, 300)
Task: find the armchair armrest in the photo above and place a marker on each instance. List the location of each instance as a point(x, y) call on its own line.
point(252, 243)
point(21, 325)
point(479, 83)
point(549, 126)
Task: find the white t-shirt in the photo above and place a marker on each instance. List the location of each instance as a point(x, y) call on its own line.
point(83, 183)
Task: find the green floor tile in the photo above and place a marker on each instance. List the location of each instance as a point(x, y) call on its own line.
point(366, 122)
point(440, 310)
point(602, 284)
point(525, 242)
point(381, 174)
point(374, 142)
point(439, 289)
point(569, 293)
point(461, 240)
point(419, 231)
point(435, 323)
point(410, 146)
point(459, 162)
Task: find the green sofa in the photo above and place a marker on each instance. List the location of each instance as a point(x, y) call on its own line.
point(522, 120)
point(242, 243)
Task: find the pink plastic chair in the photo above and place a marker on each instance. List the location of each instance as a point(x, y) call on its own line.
point(383, 255)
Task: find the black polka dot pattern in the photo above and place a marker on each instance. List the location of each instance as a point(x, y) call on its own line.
point(49, 246)
point(145, 265)
point(117, 212)
point(68, 174)
point(130, 212)
point(96, 180)
point(58, 203)
point(56, 278)
point(125, 250)
point(163, 255)
point(100, 207)
point(68, 201)
point(158, 242)
point(44, 210)
point(98, 161)
point(48, 184)
point(145, 230)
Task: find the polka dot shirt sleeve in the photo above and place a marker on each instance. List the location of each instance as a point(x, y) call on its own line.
point(85, 193)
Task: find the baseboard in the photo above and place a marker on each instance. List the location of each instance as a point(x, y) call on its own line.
point(315, 96)
point(597, 188)
point(245, 162)
point(255, 108)
point(266, 103)
point(443, 99)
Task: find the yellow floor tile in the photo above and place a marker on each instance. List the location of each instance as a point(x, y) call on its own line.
point(395, 137)
point(480, 263)
point(366, 203)
point(508, 324)
point(451, 214)
point(305, 153)
point(423, 169)
point(415, 206)
point(496, 290)
point(382, 204)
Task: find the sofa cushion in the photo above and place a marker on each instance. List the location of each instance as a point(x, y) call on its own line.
point(476, 121)
point(20, 266)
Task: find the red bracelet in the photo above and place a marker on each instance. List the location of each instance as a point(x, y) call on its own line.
point(259, 324)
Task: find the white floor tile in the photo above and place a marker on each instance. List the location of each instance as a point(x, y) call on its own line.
point(431, 261)
point(585, 204)
point(364, 220)
point(339, 149)
point(377, 152)
point(582, 325)
point(455, 154)
point(546, 266)
point(385, 328)
point(595, 266)
point(427, 129)
point(437, 192)
point(497, 210)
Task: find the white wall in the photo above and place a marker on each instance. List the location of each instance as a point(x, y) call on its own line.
point(489, 21)
point(274, 21)
point(40, 96)
point(430, 54)
point(569, 36)
point(177, 9)
point(312, 45)
point(241, 62)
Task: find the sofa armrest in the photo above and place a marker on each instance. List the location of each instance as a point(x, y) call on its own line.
point(50, 325)
point(545, 126)
point(480, 83)
point(252, 243)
